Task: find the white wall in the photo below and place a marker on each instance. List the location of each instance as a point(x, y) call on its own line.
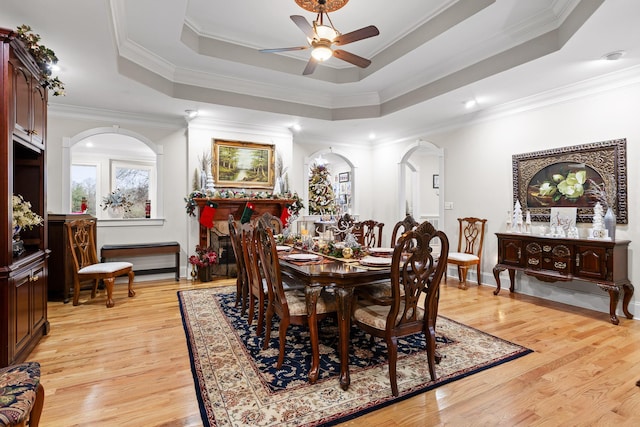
point(479, 178)
point(477, 175)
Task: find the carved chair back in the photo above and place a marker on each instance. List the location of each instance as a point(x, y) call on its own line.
point(368, 233)
point(407, 224)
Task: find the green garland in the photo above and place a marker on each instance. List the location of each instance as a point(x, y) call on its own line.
point(44, 57)
point(191, 204)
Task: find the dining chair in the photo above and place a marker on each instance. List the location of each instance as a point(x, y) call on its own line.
point(86, 263)
point(257, 287)
point(242, 286)
point(413, 306)
point(380, 292)
point(21, 395)
point(289, 305)
point(272, 222)
point(470, 242)
point(344, 226)
point(368, 233)
point(407, 224)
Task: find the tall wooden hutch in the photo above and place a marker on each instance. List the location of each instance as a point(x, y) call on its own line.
point(23, 123)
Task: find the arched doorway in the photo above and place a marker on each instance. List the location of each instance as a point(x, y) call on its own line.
point(421, 183)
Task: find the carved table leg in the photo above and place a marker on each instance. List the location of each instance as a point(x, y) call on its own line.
point(512, 280)
point(344, 298)
point(311, 297)
point(626, 298)
point(614, 295)
point(496, 274)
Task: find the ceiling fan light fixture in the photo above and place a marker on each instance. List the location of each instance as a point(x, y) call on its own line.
point(326, 32)
point(321, 52)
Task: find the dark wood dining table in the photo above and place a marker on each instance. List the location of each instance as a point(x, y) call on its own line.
point(344, 276)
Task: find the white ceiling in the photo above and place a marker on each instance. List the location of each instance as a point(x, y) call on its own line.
point(162, 57)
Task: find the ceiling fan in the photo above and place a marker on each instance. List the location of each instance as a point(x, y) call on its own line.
point(322, 37)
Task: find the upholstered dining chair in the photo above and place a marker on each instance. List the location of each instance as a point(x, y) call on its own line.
point(242, 284)
point(470, 243)
point(380, 292)
point(407, 224)
point(413, 306)
point(257, 287)
point(86, 263)
point(368, 233)
point(289, 305)
point(21, 395)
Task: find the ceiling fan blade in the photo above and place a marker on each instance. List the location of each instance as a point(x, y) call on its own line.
point(354, 36)
point(283, 49)
point(311, 66)
point(304, 25)
point(352, 58)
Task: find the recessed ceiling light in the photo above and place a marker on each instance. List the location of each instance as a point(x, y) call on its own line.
point(614, 56)
point(296, 127)
point(372, 135)
point(470, 103)
point(191, 114)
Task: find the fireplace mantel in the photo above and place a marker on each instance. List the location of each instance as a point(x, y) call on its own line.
point(235, 207)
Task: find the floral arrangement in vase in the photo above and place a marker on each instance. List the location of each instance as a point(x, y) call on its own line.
point(203, 257)
point(115, 200)
point(201, 261)
point(23, 216)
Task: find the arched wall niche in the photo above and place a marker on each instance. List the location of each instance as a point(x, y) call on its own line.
point(416, 169)
point(69, 142)
point(330, 154)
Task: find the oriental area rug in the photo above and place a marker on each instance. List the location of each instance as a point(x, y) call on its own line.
point(237, 382)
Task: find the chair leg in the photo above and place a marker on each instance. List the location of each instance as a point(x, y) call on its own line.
point(238, 290)
point(36, 411)
point(269, 318)
point(432, 356)
point(462, 276)
point(479, 275)
point(284, 325)
point(252, 304)
point(108, 283)
point(131, 275)
point(76, 291)
point(392, 349)
point(94, 290)
point(260, 326)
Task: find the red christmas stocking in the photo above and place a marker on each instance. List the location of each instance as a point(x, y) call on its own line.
point(208, 212)
point(284, 216)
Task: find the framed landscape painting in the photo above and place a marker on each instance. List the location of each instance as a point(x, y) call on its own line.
point(243, 164)
point(573, 177)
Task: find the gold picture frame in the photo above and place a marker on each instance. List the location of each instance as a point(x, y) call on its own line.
point(577, 176)
point(238, 164)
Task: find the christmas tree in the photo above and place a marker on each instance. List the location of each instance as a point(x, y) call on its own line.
point(322, 200)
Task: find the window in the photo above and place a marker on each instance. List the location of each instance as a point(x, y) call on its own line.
point(104, 161)
point(83, 188)
point(135, 180)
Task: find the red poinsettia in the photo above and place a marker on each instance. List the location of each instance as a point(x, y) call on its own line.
point(203, 257)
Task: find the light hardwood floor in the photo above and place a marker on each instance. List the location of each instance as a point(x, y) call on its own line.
point(129, 365)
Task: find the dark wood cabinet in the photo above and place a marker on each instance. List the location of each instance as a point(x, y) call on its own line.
point(29, 104)
point(60, 260)
point(23, 278)
point(602, 262)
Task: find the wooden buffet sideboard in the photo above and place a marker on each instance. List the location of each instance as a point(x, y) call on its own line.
point(603, 262)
